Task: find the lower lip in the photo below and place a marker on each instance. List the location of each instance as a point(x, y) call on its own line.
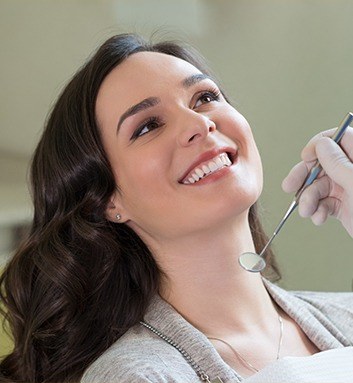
point(214, 176)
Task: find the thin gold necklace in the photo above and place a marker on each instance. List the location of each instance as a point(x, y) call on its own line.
point(242, 359)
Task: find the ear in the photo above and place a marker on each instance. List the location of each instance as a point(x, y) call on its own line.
point(115, 211)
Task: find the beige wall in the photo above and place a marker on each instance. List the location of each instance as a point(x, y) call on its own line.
point(287, 64)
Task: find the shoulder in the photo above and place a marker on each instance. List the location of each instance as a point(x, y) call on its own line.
point(325, 315)
point(325, 299)
point(332, 304)
point(139, 356)
point(333, 310)
point(337, 306)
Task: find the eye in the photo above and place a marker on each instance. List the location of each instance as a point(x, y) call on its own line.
point(208, 96)
point(147, 126)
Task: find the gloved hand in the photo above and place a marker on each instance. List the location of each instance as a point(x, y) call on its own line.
point(332, 192)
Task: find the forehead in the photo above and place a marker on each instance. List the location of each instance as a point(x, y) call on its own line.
point(142, 67)
point(142, 75)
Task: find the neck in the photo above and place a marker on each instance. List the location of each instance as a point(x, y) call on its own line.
point(208, 287)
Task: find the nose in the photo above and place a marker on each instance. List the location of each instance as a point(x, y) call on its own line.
point(194, 127)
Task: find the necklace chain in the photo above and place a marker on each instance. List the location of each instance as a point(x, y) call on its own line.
point(242, 359)
point(203, 376)
point(201, 373)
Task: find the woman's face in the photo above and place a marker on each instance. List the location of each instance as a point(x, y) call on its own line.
point(164, 125)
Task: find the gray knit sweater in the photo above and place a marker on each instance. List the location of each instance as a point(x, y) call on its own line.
point(142, 356)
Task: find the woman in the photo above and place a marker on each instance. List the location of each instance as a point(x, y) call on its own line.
point(145, 184)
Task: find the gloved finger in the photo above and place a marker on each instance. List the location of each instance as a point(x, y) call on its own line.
point(335, 162)
point(312, 195)
point(327, 207)
point(296, 177)
point(309, 151)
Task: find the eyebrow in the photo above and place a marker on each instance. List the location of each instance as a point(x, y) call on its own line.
point(143, 105)
point(193, 79)
point(153, 101)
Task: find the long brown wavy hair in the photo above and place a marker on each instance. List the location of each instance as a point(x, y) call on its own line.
point(78, 282)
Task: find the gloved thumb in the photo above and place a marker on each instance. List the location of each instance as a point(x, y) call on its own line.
point(335, 162)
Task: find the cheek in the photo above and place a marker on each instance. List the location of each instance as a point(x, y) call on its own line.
point(140, 179)
point(235, 127)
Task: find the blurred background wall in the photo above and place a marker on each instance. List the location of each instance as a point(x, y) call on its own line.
point(287, 65)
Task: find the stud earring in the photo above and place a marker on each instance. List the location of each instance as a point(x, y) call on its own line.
point(118, 217)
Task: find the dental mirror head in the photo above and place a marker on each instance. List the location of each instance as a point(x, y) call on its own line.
point(255, 262)
point(252, 262)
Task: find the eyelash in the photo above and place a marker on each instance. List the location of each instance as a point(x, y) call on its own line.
point(213, 93)
point(147, 124)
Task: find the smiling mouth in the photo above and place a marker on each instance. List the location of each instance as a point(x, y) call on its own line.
point(209, 167)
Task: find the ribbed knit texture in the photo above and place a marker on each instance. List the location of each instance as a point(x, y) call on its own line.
point(141, 356)
point(331, 366)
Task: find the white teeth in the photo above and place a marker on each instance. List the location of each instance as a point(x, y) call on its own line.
point(206, 169)
point(212, 166)
point(225, 159)
point(219, 162)
point(215, 164)
point(199, 172)
point(195, 176)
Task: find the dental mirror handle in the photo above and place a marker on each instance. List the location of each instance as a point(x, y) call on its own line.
point(255, 263)
point(316, 169)
point(310, 178)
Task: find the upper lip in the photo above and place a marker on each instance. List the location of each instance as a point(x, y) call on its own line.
point(208, 156)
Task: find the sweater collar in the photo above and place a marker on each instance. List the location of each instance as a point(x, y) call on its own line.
point(317, 326)
point(169, 322)
point(166, 319)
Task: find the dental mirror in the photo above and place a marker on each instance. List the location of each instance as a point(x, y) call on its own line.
point(256, 262)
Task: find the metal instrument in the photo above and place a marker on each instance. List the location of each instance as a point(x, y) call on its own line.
point(255, 262)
